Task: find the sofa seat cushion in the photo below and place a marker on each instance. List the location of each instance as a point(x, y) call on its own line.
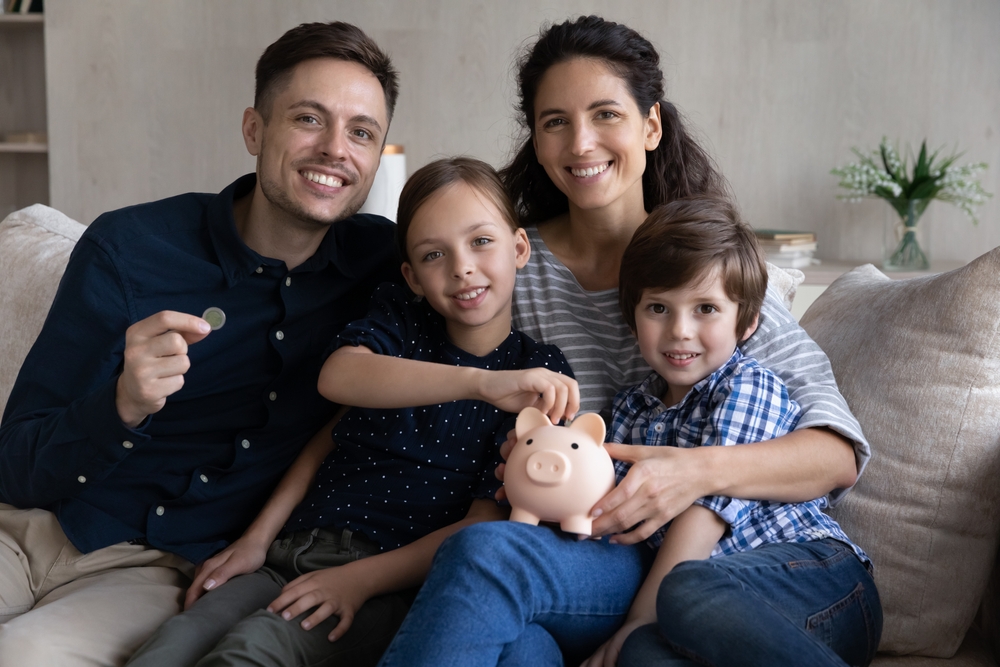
point(35, 244)
point(974, 652)
point(919, 363)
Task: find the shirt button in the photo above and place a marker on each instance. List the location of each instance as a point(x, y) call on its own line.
point(273, 395)
point(246, 444)
point(81, 479)
point(288, 281)
point(204, 478)
point(127, 444)
point(658, 428)
point(259, 269)
point(160, 510)
point(280, 335)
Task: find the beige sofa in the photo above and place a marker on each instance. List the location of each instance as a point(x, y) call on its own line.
point(919, 362)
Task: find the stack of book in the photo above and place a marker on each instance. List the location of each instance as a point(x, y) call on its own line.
point(787, 249)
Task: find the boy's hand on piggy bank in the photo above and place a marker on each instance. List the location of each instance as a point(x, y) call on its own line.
point(554, 394)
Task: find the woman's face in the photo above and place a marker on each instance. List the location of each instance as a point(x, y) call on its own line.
point(590, 136)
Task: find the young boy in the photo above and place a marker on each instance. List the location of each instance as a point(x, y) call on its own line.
point(394, 480)
point(692, 283)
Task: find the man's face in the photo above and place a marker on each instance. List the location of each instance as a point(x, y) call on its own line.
point(318, 153)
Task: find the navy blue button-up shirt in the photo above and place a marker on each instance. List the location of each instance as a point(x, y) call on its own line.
point(194, 474)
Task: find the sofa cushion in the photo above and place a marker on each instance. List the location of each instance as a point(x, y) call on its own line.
point(35, 244)
point(919, 363)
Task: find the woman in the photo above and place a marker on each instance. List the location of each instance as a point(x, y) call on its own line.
point(603, 148)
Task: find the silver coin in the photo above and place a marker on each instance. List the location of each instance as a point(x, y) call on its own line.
point(215, 317)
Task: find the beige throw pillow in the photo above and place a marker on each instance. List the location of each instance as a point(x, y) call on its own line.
point(919, 363)
point(35, 244)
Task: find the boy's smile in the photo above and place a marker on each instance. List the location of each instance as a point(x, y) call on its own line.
point(688, 333)
point(463, 257)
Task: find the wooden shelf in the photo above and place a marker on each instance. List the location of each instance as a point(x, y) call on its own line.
point(10, 147)
point(819, 277)
point(829, 270)
point(22, 19)
point(24, 148)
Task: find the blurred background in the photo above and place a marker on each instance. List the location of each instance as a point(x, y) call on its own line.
point(144, 99)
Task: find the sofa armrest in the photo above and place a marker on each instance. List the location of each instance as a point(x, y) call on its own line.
point(35, 244)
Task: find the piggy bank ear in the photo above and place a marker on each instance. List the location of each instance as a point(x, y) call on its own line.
point(591, 424)
point(530, 419)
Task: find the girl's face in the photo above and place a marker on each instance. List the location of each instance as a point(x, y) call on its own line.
point(590, 136)
point(463, 257)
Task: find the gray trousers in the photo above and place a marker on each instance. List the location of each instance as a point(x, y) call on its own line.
point(231, 626)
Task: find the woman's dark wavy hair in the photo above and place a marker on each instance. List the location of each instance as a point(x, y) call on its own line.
point(677, 168)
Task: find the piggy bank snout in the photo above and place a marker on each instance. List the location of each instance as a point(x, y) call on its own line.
point(548, 468)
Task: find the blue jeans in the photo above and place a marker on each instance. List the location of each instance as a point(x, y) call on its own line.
point(780, 604)
point(510, 593)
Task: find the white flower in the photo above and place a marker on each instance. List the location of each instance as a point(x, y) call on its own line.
point(882, 173)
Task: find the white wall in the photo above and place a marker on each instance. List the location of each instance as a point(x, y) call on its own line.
point(145, 98)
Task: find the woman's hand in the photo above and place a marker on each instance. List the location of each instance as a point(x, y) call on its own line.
point(662, 483)
point(555, 394)
point(243, 556)
point(505, 448)
point(607, 654)
point(333, 590)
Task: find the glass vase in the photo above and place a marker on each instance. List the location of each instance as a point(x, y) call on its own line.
point(905, 237)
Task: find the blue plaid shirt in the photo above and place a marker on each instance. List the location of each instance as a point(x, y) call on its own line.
point(739, 403)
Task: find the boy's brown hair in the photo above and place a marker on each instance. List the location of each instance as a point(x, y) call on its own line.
point(431, 178)
point(680, 242)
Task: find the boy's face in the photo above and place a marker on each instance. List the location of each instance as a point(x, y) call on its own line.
point(686, 334)
point(463, 257)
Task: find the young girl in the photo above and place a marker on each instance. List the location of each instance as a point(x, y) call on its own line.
point(394, 480)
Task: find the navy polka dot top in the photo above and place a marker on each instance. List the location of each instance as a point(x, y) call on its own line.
point(397, 475)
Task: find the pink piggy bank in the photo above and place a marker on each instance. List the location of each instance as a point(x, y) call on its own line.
point(558, 473)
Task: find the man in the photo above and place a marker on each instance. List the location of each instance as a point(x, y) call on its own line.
point(175, 377)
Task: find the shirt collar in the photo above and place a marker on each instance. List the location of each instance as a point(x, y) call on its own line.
point(236, 258)
point(654, 386)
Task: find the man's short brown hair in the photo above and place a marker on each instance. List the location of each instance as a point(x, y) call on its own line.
point(680, 242)
point(337, 40)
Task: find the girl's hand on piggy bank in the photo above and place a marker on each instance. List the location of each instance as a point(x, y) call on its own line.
point(554, 394)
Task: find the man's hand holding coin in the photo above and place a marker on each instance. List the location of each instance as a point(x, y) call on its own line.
point(155, 362)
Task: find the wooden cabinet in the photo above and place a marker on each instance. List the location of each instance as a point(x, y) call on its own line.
point(24, 164)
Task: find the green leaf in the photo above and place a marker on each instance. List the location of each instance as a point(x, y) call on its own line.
point(925, 189)
point(900, 204)
point(921, 170)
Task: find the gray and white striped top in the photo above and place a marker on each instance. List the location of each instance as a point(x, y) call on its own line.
point(552, 307)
